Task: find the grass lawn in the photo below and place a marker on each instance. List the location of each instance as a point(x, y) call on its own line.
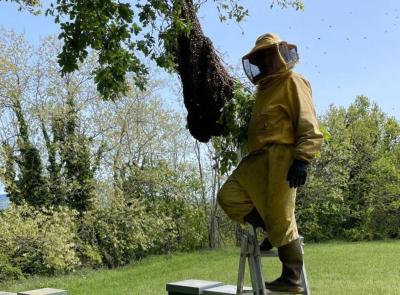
point(333, 268)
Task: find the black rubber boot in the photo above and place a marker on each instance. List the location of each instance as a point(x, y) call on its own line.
point(265, 245)
point(255, 219)
point(291, 257)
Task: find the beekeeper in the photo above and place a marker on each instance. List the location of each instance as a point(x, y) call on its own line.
point(283, 138)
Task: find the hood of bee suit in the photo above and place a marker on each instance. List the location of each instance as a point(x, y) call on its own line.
point(269, 57)
point(264, 41)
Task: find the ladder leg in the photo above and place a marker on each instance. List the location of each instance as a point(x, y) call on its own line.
point(259, 272)
point(252, 263)
point(304, 279)
point(242, 265)
point(257, 276)
point(253, 275)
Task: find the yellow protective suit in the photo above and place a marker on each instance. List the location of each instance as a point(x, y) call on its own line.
point(283, 127)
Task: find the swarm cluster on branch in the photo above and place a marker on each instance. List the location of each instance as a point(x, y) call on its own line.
point(207, 86)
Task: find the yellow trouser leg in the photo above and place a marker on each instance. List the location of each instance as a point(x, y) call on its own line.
point(234, 200)
point(260, 181)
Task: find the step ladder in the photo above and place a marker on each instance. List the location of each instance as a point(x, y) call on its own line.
point(250, 250)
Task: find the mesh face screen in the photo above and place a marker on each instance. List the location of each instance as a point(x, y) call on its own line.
point(262, 63)
point(288, 53)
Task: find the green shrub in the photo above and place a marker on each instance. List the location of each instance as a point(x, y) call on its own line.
point(8, 271)
point(190, 222)
point(57, 240)
point(116, 235)
point(37, 242)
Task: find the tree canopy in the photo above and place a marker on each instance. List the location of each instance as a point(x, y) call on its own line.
point(167, 32)
point(123, 32)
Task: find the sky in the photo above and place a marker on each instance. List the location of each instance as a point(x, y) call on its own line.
point(347, 47)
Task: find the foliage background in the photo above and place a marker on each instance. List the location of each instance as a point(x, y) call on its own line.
point(121, 180)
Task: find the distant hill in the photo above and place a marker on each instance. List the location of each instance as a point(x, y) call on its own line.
point(4, 202)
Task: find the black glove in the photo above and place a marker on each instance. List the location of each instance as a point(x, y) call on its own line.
point(297, 173)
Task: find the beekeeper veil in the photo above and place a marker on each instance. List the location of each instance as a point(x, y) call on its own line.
point(270, 56)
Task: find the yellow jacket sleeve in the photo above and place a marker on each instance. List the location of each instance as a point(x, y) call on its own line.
point(308, 137)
